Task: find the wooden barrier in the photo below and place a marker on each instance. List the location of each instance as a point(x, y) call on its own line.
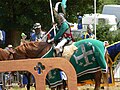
point(49, 63)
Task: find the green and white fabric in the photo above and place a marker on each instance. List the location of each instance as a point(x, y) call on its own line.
point(53, 77)
point(64, 27)
point(89, 57)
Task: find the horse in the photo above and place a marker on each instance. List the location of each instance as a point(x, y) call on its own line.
point(113, 52)
point(94, 50)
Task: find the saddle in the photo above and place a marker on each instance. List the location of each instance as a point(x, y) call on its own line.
point(59, 52)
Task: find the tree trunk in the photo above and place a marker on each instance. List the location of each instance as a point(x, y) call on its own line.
point(13, 37)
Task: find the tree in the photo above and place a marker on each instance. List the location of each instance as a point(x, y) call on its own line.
point(80, 7)
point(104, 34)
point(19, 15)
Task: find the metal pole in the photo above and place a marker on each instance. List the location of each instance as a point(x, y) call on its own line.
point(95, 17)
point(53, 21)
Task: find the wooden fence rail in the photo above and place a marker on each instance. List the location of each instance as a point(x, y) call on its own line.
point(49, 63)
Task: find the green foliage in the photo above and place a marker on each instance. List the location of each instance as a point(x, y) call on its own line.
point(80, 7)
point(117, 1)
point(77, 39)
point(117, 35)
point(110, 1)
point(22, 14)
point(104, 34)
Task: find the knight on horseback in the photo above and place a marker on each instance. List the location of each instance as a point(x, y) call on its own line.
point(64, 35)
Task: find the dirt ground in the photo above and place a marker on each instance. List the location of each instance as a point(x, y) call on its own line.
point(91, 87)
point(85, 87)
point(88, 87)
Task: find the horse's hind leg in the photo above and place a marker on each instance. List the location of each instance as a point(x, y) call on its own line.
point(97, 77)
point(105, 78)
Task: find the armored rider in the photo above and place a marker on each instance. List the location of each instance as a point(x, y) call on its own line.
point(63, 35)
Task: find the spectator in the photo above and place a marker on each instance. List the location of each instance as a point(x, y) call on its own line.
point(9, 47)
point(23, 39)
point(89, 33)
point(38, 35)
point(23, 77)
point(11, 50)
point(1, 81)
point(2, 38)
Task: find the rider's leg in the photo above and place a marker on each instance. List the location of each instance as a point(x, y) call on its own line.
point(60, 45)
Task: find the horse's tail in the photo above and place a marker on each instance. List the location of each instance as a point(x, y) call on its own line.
point(105, 78)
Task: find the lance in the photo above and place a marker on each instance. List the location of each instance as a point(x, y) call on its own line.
point(53, 21)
